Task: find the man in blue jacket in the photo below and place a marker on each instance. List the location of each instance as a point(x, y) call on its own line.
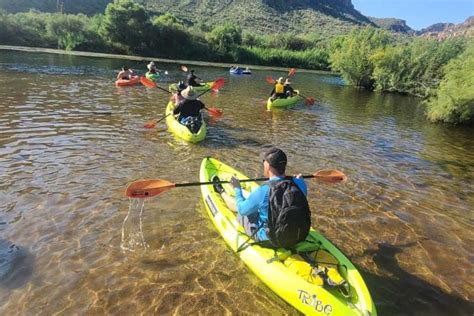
point(253, 210)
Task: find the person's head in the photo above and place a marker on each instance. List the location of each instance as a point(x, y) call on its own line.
point(189, 93)
point(287, 82)
point(280, 80)
point(191, 71)
point(181, 86)
point(125, 68)
point(274, 161)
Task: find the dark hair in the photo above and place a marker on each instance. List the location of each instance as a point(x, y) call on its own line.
point(191, 71)
point(125, 67)
point(276, 158)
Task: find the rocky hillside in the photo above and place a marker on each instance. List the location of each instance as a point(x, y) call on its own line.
point(88, 7)
point(447, 30)
point(393, 25)
point(326, 17)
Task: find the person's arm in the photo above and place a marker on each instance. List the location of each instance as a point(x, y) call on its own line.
point(298, 179)
point(177, 109)
point(250, 205)
point(119, 76)
point(273, 91)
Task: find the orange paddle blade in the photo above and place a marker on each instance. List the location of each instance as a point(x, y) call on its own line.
point(150, 124)
point(309, 101)
point(147, 82)
point(331, 176)
point(270, 80)
point(291, 72)
point(217, 84)
point(184, 68)
point(141, 189)
point(215, 112)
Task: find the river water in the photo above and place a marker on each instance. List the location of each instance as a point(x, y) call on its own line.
point(70, 141)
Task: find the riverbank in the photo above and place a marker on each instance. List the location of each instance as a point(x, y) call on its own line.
point(156, 59)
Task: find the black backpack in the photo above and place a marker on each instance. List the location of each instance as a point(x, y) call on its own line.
point(289, 216)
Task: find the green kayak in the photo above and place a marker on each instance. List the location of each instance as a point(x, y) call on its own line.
point(283, 103)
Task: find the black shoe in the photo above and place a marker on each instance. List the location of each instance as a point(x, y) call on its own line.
point(217, 186)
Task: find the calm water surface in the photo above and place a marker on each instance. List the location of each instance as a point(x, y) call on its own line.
point(70, 141)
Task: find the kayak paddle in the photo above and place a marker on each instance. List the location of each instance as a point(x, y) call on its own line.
point(151, 187)
point(150, 84)
point(215, 86)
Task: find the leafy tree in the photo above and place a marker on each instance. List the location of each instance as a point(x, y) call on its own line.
point(68, 29)
point(454, 100)
point(127, 24)
point(225, 37)
point(352, 55)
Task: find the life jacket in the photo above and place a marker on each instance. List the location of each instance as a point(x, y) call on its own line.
point(289, 216)
point(279, 88)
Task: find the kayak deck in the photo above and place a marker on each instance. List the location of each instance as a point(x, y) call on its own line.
point(281, 270)
point(182, 131)
point(283, 103)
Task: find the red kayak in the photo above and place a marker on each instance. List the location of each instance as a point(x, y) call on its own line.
point(123, 82)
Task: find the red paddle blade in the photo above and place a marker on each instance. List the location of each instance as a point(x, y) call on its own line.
point(141, 189)
point(270, 80)
point(309, 101)
point(150, 124)
point(292, 72)
point(147, 82)
point(215, 112)
point(184, 68)
point(217, 84)
point(330, 176)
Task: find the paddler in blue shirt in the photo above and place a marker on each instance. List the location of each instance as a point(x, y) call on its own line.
point(253, 210)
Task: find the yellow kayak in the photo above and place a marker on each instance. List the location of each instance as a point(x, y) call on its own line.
point(316, 279)
point(181, 130)
point(283, 103)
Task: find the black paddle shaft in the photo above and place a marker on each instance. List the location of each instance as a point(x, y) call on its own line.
point(189, 184)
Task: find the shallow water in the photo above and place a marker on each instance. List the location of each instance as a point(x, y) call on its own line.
point(70, 141)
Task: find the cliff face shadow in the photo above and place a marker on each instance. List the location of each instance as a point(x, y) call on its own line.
point(16, 265)
point(406, 294)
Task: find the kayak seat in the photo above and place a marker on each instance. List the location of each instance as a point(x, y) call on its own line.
point(217, 186)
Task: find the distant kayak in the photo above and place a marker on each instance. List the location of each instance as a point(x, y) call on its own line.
point(283, 103)
point(240, 71)
point(236, 71)
point(124, 82)
point(153, 77)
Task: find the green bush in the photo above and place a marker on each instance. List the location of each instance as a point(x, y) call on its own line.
point(415, 67)
point(352, 55)
point(454, 100)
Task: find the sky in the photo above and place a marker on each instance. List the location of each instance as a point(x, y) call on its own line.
point(418, 13)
